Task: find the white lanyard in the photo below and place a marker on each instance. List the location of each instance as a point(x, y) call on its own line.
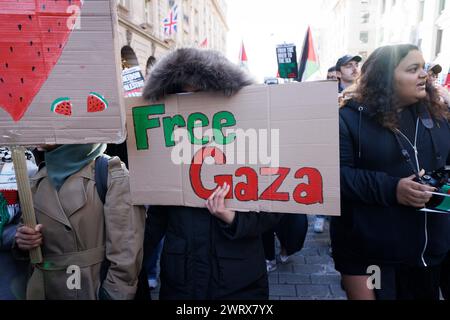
point(414, 146)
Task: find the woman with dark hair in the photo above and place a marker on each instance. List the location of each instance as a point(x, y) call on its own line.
point(393, 128)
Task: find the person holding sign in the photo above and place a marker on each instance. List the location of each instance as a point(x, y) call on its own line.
point(92, 246)
point(13, 271)
point(386, 244)
point(209, 253)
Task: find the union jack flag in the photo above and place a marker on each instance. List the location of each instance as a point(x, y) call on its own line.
point(170, 24)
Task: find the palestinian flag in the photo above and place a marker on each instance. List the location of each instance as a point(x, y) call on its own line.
point(309, 62)
point(243, 60)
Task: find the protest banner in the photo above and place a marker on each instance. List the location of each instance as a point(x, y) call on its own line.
point(59, 80)
point(60, 75)
point(276, 146)
point(133, 82)
point(287, 61)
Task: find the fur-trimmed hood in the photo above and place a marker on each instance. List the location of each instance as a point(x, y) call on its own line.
point(202, 70)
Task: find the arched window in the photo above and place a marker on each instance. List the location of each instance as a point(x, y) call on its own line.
point(150, 63)
point(129, 58)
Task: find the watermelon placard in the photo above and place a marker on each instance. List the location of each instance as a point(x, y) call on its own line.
point(51, 49)
point(37, 38)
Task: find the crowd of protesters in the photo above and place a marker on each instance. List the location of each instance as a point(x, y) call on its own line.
point(394, 129)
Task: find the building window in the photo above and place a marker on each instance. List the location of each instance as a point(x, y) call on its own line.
point(125, 4)
point(441, 6)
point(364, 36)
point(129, 58)
point(365, 17)
point(439, 41)
point(421, 10)
point(148, 12)
point(150, 63)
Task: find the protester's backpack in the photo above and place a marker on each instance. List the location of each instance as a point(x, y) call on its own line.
point(101, 176)
point(101, 184)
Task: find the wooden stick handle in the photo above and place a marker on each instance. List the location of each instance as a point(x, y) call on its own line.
point(25, 197)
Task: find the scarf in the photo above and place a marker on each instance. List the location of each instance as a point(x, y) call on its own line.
point(67, 160)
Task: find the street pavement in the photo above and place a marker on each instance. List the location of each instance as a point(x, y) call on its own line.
point(310, 273)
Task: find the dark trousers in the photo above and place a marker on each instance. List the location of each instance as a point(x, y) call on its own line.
point(445, 278)
point(143, 290)
point(409, 283)
point(291, 231)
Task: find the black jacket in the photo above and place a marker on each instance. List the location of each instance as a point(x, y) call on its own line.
point(205, 259)
point(373, 226)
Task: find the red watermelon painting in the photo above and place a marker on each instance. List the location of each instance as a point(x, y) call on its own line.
point(96, 103)
point(33, 35)
point(62, 106)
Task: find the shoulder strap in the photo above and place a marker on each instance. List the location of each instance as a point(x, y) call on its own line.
point(101, 176)
point(103, 164)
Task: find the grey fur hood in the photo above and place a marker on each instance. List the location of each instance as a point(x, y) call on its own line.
point(202, 70)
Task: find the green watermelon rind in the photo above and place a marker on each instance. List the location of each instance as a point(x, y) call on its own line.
point(100, 97)
point(58, 101)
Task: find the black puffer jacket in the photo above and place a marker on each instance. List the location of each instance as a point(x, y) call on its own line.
point(205, 259)
point(373, 226)
point(202, 257)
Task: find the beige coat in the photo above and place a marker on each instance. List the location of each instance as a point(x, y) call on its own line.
point(78, 230)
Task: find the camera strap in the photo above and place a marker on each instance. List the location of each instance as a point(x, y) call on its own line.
point(405, 153)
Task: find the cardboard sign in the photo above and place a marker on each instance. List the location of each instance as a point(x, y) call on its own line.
point(287, 61)
point(133, 82)
point(277, 146)
point(59, 73)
